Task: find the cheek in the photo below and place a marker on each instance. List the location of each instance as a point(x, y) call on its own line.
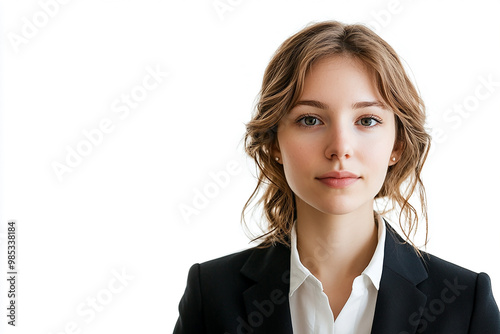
point(376, 155)
point(292, 149)
point(295, 160)
point(298, 161)
point(378, 159)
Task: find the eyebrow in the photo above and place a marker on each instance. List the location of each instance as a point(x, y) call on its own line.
point(366, 104)
point(357, 105)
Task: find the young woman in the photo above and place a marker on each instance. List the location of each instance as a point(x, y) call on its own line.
point(338, 125)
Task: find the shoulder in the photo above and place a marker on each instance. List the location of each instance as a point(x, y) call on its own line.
point(470, 293)
point(230, 261)
point(402, 258)
point(227, 267)
point(432, 273)
point(451, 274)
point(215, 290)
point(211, 288)
point(447, 281)
point(214, 274)
point(451, 298)
point(458, 277)
point(235, 271)
point(249, 260)
point(440, 268)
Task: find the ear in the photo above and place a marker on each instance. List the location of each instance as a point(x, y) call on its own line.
point(276, 153)
point(397, 151)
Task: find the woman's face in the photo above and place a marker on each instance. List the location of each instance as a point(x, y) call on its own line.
point(336, 144)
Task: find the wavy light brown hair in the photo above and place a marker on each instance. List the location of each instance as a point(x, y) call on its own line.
point(282, 86)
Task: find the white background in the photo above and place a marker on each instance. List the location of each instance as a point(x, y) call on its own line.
point(119, 208)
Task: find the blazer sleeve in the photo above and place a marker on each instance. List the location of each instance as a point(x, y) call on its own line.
point(190, 319)
point(485, 316)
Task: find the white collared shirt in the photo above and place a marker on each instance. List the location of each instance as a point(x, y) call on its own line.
point(309, 305)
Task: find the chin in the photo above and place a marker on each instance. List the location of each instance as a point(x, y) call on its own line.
point(337, 209)
point(333, 205)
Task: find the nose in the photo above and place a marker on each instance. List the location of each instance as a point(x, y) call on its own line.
point(338, 142)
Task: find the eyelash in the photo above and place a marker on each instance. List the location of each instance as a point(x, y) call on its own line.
point(303, 117)
point(371, 116)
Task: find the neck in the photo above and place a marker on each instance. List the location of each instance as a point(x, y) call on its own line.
point(336, 245)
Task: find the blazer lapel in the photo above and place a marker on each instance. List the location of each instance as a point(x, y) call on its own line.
point(400, 303)
point(266, 301)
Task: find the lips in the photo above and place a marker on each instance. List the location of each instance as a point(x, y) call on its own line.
point(340, 174)
point(338, 179)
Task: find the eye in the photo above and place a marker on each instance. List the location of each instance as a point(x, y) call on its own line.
point(369, 121)
point(308, 121)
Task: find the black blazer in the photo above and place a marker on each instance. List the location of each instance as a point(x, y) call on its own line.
point(247, 292)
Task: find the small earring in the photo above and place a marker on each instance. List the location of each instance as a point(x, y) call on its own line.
point(277, 159)
point(393, 158)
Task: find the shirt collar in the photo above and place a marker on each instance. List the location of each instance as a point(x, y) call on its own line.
point(374, 268)
point(299, 273)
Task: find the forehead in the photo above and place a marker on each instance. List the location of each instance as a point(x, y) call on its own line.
point(341, 60)
point(338, 75)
